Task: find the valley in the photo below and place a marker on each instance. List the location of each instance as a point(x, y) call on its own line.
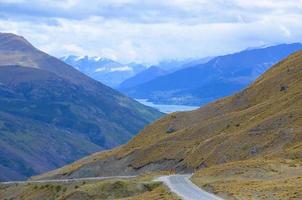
point(197, 84)
point(150, 100)
point(251, 139)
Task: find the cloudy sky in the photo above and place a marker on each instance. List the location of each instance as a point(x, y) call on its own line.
point(152, 30)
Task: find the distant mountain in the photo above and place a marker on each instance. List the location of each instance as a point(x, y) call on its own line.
point(51, 114)
point(194, 62)
point(221, 76)
point(155, 71)
point(105, 70)
point(143, 77)
point(174, 65)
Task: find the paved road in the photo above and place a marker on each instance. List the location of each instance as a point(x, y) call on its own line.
point(68, 180)
point(184, 188)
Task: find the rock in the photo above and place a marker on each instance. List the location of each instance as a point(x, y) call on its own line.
point(253, 150)
point(283, 88)
point(170, 130)
point(203, 165)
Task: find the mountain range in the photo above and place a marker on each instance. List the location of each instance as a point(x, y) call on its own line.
point(245, 146)
point(105, 70)
point(200, 83)
point(143, 77)
point(51, 114)
point(117, 75)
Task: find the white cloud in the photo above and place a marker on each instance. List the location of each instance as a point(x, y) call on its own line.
point(285, 30)
point(12, 1)
point(152, 30)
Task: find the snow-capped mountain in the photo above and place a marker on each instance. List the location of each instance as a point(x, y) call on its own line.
point(105, 70)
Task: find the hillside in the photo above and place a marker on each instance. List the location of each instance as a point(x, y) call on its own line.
point(142, 77)
point(221, 76)
point(138, 188)
point(262, 122)
point(51, 114)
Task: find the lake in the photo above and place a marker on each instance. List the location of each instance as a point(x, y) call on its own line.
point(167, 108)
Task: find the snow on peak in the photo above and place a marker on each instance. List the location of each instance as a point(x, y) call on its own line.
point(79, 58)
point(101, 69)
point(121, 69)
point(114, 69)
point(97, 58)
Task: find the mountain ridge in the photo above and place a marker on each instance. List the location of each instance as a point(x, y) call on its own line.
point(142, 77)
point(47, 103)
point(105, 70)
point(221, 76)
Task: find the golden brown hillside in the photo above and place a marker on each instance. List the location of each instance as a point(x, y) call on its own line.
point(142, 187)
point(254, 179)
point(262, 122)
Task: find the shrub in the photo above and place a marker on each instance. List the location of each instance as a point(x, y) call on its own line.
point(170, 130)
point(58, 188)
point(283, 88)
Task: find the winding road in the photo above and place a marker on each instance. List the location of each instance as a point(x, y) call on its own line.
point(68, 180)
point(184, 188)
point(179, 184)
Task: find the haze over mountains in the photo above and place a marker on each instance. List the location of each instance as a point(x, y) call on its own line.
point(191, 82)
point(51, 114)
point(253, 138)
point(186, 82)
point(143, 77)
point(105, 70)
point(114, 74)
point(204, 82)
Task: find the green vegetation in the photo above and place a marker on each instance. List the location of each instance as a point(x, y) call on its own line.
point(58, 188)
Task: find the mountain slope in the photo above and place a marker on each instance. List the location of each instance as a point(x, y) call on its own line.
point(142, 77)
point(46, 103)
point(221, 76)
point(262, 121)
point(174, 65)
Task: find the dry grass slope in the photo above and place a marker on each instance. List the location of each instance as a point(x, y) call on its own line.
point(131, 189)
point(257, 179)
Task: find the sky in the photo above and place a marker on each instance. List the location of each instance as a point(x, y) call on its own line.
point(149, 31)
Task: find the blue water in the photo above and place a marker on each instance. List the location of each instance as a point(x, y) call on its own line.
point(167, 108)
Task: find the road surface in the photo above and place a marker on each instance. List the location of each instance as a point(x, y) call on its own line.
point(184, 188)
point(68, 180)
